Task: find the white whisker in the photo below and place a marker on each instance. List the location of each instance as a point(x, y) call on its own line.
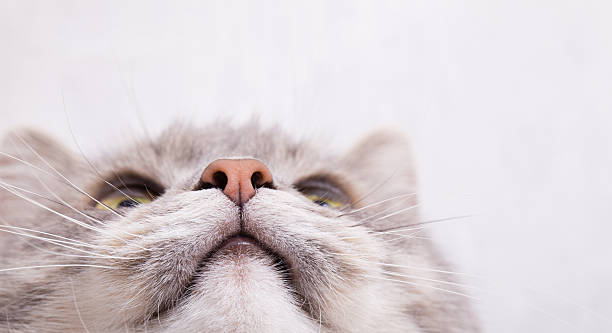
point(85, 157)
point(377, 187)
point(32, 193)
point(377, 214)
point(59, 243)
point(84, 225)
point(76, 306)
point(36, 203)
point(378, 203)
point(414, 225)
point(66, 179)
point(484, 290)
point(399, 236)
point(456, 284)
point(397, 212)
point(427, 269)
point(74, 241)
point(59, 202)
point(64, 203)
point(59, 253)
point(32, 166)
point(369, 219)
point(424, 285)
point(50, 240)
point(54, 266)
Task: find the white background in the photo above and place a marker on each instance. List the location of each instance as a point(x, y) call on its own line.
point(508, 104)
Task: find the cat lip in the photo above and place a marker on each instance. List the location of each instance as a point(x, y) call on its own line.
point(237, 242)
point(240, 242)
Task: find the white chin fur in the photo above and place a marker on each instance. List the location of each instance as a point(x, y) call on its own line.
point(241, 292)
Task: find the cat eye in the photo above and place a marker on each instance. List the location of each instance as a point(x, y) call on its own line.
point(123, 201)
point(323, 192)
point(128, 191)
point(323, 201)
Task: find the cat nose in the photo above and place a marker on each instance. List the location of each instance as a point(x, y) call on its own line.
point(237, 178)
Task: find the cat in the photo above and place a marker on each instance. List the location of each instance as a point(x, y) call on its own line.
point(219, 228)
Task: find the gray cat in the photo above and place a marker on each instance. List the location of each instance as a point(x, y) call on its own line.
point(218, 229)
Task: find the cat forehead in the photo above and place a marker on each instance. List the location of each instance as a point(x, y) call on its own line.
point(222, 140)
point(182, 151)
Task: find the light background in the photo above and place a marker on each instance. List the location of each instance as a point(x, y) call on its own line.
point(507, 102)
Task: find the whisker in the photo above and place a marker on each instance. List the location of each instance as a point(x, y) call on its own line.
point(427, 269)
point(533, 307)
point(59, 243)
point(132, 299)
point(424, 285)
point(400, 236)
point(378, 233)
point(59, 253)
point(36, 203)
point(131, 95)
point(368, 220)
point(59, 201)
point(49, 199)
point(396, 213)
point(456, 284)
point(76, 306)
point(484, 290)
point(376, 188)
point(427, 222)
point(378, 203)
point(378, 213)
point(320, 317)
point(75, 243)
point(8, 324)
point(62, 181)
point(26, 163)
point(33, 193)
point(6, 225)
point(54, 266)
point(66, 179)
point(84, 225)
point(63, 203)
point(98, 174)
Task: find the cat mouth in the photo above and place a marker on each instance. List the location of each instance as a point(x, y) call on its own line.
point(236, 245)
point(240, 244)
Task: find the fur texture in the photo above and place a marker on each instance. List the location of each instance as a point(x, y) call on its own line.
point(153, 267)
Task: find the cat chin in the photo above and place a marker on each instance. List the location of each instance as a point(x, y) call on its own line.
point(240, 290)
point(240, 264)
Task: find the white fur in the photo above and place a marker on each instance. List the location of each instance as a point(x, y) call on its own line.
point(162, 275)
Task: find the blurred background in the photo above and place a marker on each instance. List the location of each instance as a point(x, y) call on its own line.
point(508, 104)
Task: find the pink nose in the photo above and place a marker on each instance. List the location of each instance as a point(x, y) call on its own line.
point(238, 178)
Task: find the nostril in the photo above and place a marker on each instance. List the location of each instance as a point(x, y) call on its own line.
point(239, 179)
point(258, 180)
point(219, 180)
point(203, 186)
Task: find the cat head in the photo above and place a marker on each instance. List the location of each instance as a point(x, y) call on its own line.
point(216, 228)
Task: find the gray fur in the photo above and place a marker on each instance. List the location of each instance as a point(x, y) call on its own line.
point(337, 282)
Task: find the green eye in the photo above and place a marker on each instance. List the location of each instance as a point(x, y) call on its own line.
point(126, 190)
point(323, 191)
point(123, 202)
point(324, 202)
